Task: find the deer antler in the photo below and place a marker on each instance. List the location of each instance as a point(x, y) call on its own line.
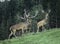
point(36, 13)
point(28, 15)
point(22, 17)
point(44, 11)
point(25, 14)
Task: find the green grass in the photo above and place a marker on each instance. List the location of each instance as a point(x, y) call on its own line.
point(46, 37)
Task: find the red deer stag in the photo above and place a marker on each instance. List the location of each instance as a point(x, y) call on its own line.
point(22, 25)
point(43, 22)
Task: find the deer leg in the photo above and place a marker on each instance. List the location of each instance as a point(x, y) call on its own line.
point(37, 29)
point(29, 30)
point(22, 31)
point(10, 34)
point(26, 30)
point(14, 33)
point(43, 28)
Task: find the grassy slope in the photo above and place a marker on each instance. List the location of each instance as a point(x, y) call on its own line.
point(47, 37)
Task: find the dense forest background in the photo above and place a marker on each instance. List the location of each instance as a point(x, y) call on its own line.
point(10, 10)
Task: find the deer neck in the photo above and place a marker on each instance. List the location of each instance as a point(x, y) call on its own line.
point(27, 22)
point(46, 17)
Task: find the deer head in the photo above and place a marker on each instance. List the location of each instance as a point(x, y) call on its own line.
point(46, 13)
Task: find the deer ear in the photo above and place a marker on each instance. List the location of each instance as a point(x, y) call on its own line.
point(42, 11)
point(24, 9)
point(49, 10)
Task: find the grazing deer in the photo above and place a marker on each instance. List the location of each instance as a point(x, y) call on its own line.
point(43, 22)
point(22, 25)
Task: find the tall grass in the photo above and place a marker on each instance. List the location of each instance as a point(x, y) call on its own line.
point(46, 37)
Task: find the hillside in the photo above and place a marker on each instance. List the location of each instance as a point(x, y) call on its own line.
point(46, 37)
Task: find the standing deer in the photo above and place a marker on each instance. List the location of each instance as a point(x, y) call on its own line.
point(43, 22)
point(22, 25)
